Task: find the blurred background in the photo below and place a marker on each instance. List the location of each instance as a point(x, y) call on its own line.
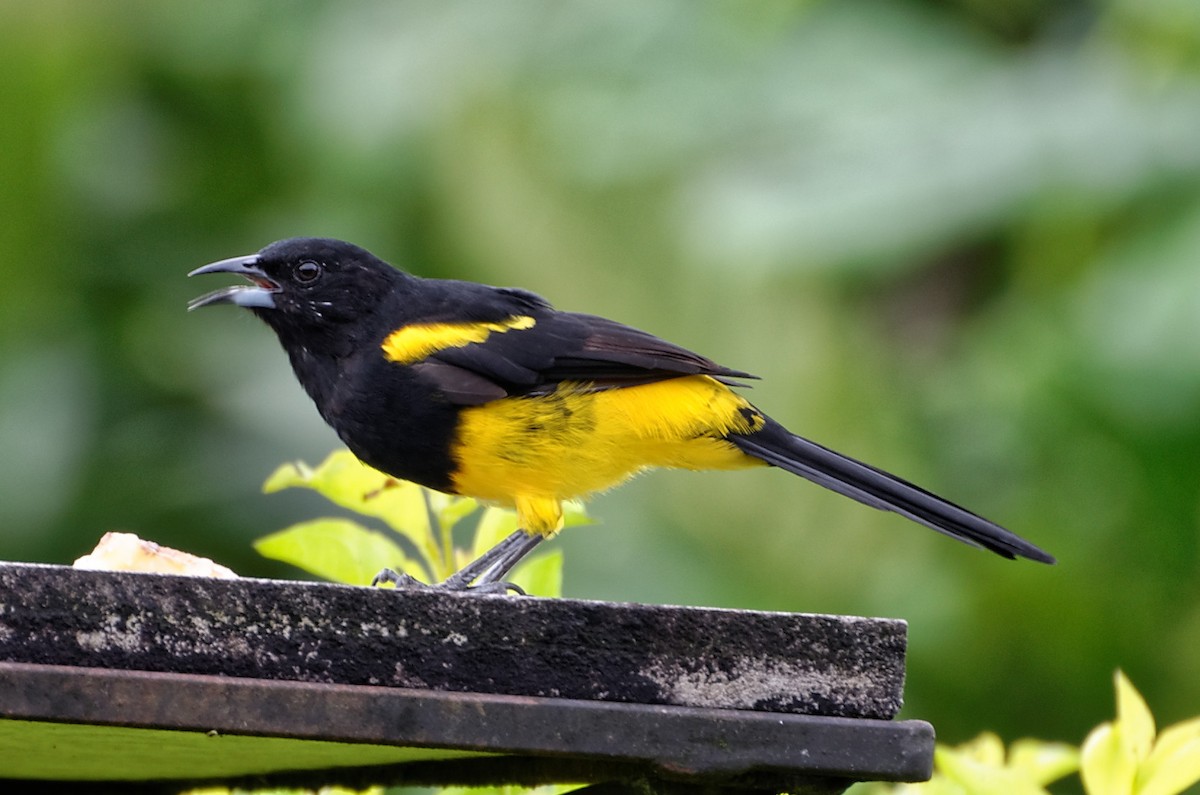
point(958, 240)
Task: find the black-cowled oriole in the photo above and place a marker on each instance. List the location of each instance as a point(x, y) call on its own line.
point(492, 393)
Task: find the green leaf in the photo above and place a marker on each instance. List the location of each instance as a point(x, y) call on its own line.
point(450, 509)
point(337, 549)
point(1043, 762)
point(975, 776)
point(1174, 763)
point(575, 514)
point(288, 476)
point(987, 748)
point(329, 548)
point(498, 523)
point(344, 480)
point(1107, 763)
point(552, 789)
point(1134, 718)
point(540, 575)
point(494, 526)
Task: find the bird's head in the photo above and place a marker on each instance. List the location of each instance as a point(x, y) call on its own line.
point(305, 286)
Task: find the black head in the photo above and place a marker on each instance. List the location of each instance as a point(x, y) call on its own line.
point(306, 287)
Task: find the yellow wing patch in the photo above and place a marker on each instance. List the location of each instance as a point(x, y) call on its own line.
point(413, 343)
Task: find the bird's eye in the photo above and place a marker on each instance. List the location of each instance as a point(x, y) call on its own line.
point(308, 272)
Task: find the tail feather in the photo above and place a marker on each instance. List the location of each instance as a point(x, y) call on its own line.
point(779, 447)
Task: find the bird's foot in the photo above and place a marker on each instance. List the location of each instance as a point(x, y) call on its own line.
point(481, 576)
point(397, 579)
point(454, 583)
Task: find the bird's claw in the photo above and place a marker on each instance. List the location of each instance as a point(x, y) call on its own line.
point(499, 587)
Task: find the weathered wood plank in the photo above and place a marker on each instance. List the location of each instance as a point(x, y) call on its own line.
point(504, 645)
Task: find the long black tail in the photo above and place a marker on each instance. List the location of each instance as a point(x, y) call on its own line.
point(780, 447)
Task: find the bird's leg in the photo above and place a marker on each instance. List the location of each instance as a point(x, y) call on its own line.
point(487, 571)
point(482, 575)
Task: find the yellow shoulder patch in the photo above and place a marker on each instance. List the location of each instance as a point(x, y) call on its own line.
point(413, 343)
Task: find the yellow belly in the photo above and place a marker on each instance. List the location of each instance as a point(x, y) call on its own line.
point(533, 453)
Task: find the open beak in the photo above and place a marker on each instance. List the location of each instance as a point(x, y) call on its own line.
point(260, 294)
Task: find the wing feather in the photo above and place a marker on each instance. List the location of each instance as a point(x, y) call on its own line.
point(557, 347)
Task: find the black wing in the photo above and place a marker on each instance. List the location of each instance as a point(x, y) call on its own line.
point(558, 347)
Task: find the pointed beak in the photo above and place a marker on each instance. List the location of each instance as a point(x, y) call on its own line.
point(260, 294)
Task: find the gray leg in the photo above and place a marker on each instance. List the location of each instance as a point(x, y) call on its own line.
point(483, 575)
point(488, 570)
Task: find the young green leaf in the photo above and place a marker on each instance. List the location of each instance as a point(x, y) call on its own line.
point(1107, 762)
point(337, 549)
point(540, 575)
point(450, 509)
point(286, 476)
point(344, 480)
point(344, 551)
point(552, 789)
point(575, 514)
point(1174, 764)
point(1134, 717)
point(1043, 762)
point(494, 526)
point(990, 776)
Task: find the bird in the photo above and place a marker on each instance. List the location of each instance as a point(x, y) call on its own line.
point(492, 393)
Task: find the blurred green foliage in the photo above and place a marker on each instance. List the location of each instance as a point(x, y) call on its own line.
point(420, 524)
point(957, 239)
point(1124, 756)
